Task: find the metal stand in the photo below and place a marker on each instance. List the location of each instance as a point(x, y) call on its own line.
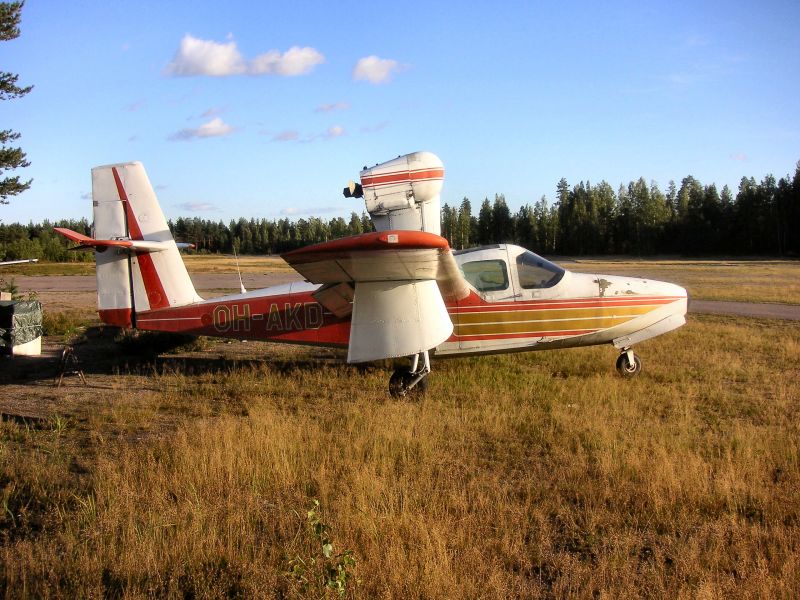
point(69, 365)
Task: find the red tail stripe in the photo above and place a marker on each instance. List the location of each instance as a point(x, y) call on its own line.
point(156, 296)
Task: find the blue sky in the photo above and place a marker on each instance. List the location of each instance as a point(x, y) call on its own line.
point(267, 109)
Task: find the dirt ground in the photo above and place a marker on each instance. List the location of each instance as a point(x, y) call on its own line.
point(30, 391)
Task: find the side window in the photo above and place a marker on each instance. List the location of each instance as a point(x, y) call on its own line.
point(486, 275)
point(535, 272)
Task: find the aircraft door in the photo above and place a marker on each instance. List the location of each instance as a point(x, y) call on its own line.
point(488, 271)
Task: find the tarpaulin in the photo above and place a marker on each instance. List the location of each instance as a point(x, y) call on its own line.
point(20, 322)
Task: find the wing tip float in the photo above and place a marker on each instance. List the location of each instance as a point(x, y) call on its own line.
point(393, 282)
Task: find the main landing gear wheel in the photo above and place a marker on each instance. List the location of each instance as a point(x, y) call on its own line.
point(400, 384)
point(628, 364)
point(411, 382)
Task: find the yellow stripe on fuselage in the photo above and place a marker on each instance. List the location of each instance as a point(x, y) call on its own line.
point(549, 314)
point(601, 322)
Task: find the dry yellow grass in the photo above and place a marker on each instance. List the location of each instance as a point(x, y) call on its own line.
point(533, 475)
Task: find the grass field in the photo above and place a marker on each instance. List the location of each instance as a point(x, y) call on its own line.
point(533, 475)
point(539, 475)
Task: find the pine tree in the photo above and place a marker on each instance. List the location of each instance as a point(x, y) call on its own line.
point(10, 157)
point(485, 228)
point(465, 224)
point(502, 225)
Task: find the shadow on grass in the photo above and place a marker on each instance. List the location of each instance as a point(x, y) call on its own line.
point(109, 351)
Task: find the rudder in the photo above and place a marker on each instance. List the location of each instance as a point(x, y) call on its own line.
point(132, 281)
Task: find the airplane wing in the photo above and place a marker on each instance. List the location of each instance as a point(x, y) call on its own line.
point(136, 245)
point(394, 283)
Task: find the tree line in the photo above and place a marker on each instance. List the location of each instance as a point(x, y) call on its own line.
point(763, 218)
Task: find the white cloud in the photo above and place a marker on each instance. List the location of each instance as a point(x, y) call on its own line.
point(86, 196)
point(221, 59)
point(205, 57)
point(375, 70)
point(295, 61)
point(290, 135)
point(198, 207)
point(334, 132)
point(214, 128)
point(326, 108)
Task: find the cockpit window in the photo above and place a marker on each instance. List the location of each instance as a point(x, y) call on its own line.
point(486, 275)
point(535, 272)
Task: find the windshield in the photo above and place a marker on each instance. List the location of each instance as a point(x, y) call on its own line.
point(535, 272)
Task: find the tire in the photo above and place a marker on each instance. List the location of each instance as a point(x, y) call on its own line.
point(399, 382)
point(625, 368)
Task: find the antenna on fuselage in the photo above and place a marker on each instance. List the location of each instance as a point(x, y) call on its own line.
point(238, 270)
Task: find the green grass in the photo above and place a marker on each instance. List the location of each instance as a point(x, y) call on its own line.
point(526, 475)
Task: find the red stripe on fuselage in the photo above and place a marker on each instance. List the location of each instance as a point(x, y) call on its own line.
point(293, 318)
point(156, 296)
point(477, 305)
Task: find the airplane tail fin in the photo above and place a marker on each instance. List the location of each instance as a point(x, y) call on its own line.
point(139, 267)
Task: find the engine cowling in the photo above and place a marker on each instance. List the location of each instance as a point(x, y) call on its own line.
point(404, 193)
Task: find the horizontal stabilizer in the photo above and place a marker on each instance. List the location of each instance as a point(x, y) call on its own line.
point(134, 245)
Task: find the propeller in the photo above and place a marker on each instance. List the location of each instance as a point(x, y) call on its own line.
point(353, 190)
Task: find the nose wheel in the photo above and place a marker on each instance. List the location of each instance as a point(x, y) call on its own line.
point(628, 364)
point(411, 382)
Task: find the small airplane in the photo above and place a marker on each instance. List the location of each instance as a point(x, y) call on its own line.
point(400, 291)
